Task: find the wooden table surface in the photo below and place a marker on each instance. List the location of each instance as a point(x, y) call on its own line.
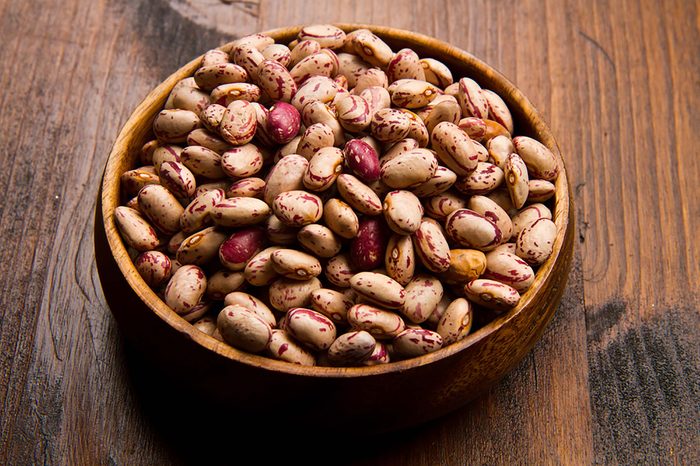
point(615, 379)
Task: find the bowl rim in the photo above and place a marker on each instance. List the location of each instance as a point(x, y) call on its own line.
point(110, 197)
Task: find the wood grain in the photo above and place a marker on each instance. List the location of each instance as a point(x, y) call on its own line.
point(615, 378)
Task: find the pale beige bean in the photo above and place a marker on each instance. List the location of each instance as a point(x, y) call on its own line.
point(279, 233)
point(243, 329)
point(499, 149)
point(372, 49)
point(135, 229)
point(405, 65)
point(202, 137)
point(326, 35)
point(318, 112)
point(528, 216)
point(442, 180)
point(509, 269)
point(540, 190)
point(417, 129)
point(492, 294)
point(442, 205)
point(186, 289)
point(320, 240)
point(202, 161)
point(379, 289)
point(377, 98)
point(540, 161)
point(201, 247)
point(436, 72)
point(197, 214)
point(311, 328)
point(240, 247)
point(412, 93)
point(456, 321)
point(517, 180)
point(206, 325)
point(187, 82)
point(536, 241)
point(340, 218)
point(190, 98)
point(286, 293)
point(173, 126)
point(226, 94)
point(390, 125)
point(238, 123)
point(297, 208)
point(484, 179)
point(484, 206)
point(223, 282)
point(211, 76)
point(323, 169)
point(283, 347)
point(214, 57)
point(178, 179)
point(351, 348)
point(247, 187)
point(240, 211)
point(302, 50)
point(276, 81)
point(447, 110)
point(409, 169)
point(471, 100)
point(352, 67)
point(154, 267)
point(359, 195)
point(498, 110)
point(242, 161)
point(381, 324)
point(132, 181)
point(314, 138)
point(414, 342)
point(465, 265)
point(399, 259)
point(298, 265)
point(354, 113)
point(373, 77)
point(431, 245)
point(339, 270)
point(161, 208)
point(454, 148)
point(259, 271)
point(286, 175)
point(332, 304)
point(472, 230)
point(279, 53)
point(315, 89)
point(403, 212)
point(175, 241)
point(247, 56)
point(251, 303)
point(423, 294)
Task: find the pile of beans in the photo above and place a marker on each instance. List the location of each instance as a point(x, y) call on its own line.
point(332, 202)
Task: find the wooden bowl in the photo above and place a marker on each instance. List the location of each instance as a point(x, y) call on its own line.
point(392, 396)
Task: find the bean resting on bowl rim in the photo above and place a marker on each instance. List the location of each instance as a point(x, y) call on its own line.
point(340, 191)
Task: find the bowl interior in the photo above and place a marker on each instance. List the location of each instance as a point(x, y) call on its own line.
point(137, 130)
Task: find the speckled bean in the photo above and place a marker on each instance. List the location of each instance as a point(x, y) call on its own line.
point(243, 329)
point(202, 161)
point(279, 53)
point(431, 245)
point(186, 289)
point(204, 138)
point(340, 218)
point(283, 122)
point(372, 49)
point(540, 161)
point(409, 169)
point(339, 270)
point(161, 208)
point(135, 229)
point(442, 180)
point(471, 100)
point(412, 93)
point(368, 247)
point(279, 233)
point(442, 205)
point(528, 216)
point(210, 76)
point(498, 110)
point(492, 294)
point(302, 50)
point(381, 324)
point(536, 241)
point(472, 230)
point(173, 126)
point(132, 181)
point(197, 214)
point(403, 212)
point(491, 210)
point(509, 269)
point(484, 179)
point(331, 303)
point(390, 125)
point(286, 175)
point(414, 342)
point(359, 195)
point(320, 240)
point(223, 282)
point(154, 267)
point(315, 89)
point(275, 80)
point(399, 259)
point(238, 123)
point(540, 190)
point(251, 303)
point(283, 347)
point(379, 289)
point(315, 137)
point(351, 348)
point(436, 72)
point(311, 328)
point(286, 293)
point(297, 208)
point(423, 294)
point(517, 180)
point(259, 271)
point(201, 247)
point(226, 94)
point(456, 321)
point(454, 148)
point(326, 35)
point(499, 149)
point(318, 112)
point(298, 265)
point(240, 211)
point(323, 169)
